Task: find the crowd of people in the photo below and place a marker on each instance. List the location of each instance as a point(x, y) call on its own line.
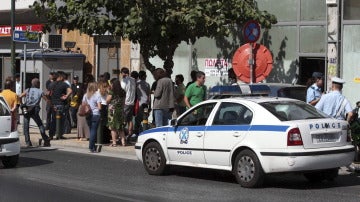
point(115, 108)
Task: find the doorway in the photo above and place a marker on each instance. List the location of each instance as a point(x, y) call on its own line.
point(308, 65)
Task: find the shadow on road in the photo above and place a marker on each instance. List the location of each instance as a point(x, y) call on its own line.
point(284, 181)
point(298, 181)
point(204, 174)
point(31, 162)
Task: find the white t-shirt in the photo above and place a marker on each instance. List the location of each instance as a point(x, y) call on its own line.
point(129, 85)
point(18, 88)
point(93, 101)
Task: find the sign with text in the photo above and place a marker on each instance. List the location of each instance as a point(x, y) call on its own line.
point(5, 31)
point(217, 66)
point(23, 36)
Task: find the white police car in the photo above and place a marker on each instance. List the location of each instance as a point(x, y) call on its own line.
point(9, 137)
point(250, 136)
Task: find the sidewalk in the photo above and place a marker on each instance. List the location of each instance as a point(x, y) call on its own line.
point(74, 145)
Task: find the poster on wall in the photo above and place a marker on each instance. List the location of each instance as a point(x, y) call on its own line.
point(216, 66)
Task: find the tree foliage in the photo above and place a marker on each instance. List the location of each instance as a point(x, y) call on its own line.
point(158, 25)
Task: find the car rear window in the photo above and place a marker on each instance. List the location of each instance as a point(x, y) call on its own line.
point(289, 111)
point(298, 93)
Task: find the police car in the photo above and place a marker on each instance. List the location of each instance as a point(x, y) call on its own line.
point(251, 136)
point(9, 137)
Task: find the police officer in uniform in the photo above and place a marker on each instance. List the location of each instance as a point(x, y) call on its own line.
point(314, 92)
point(334, 103)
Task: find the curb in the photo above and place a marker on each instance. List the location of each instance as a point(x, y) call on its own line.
point(71, 143)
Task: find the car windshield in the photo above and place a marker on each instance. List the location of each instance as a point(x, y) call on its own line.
point(292, 110)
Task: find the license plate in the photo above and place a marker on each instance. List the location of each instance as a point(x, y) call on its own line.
point(325, 138)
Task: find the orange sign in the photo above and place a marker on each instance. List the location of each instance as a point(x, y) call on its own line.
point(262, 66)
point(5, 31)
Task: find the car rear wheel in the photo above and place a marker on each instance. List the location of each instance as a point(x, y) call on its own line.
point(321, 175)
point(248, 170)
point(154, 159)
point(10, 161)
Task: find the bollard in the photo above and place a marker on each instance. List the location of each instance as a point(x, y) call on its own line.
point(58, 123)
point(145, 122)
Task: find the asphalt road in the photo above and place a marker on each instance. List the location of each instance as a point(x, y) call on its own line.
point(53, 175)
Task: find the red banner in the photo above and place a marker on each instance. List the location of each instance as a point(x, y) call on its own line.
point(5, 31)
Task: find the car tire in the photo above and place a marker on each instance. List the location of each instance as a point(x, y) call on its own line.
point(154, 159)
point(10, 161)
point(247, 169)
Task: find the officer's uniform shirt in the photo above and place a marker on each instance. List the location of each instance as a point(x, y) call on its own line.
point(330, 104)
point(313, 93)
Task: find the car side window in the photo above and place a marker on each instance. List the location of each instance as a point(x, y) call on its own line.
point(232, 114)
point(3, 110)
point(197, 116)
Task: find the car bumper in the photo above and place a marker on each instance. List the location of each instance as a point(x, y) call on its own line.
point(10, 146)
point(138, 152)
point(301, 160)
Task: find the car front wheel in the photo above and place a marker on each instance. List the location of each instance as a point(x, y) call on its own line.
point(248, 170)
point(154, 159)
point(10, 161)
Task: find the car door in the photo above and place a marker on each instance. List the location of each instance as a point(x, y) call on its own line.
point(5, 119)
point(230, 125)
point(185, 141)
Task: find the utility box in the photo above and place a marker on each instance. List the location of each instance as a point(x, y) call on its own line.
point(39, 64)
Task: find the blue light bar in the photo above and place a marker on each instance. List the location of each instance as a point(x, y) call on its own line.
point(225, 90)
point(243, 89)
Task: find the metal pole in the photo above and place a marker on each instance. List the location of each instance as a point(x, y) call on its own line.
point(251, 64)
point(58, 117)
point(13, 68)
point(24, 66)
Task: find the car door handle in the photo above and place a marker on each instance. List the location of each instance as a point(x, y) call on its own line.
point(199, 134)
point(236, 134)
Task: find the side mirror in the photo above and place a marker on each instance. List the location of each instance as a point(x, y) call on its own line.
point(173, 122)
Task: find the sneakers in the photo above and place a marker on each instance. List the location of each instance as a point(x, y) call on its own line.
point(47, 143)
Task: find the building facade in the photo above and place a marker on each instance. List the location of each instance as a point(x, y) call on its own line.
point(310, 36)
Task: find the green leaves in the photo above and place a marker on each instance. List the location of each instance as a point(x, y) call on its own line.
point(159, 25)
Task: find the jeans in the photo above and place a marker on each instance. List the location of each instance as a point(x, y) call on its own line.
point(93, 123)
point(73, 114)
point(52, 128)
point(67, 120)
point(162, 117)
point(34, 114)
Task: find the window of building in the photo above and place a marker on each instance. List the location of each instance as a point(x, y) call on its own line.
point(312, 39)
point(313, 10)
point(351, 10)
point(283, 10)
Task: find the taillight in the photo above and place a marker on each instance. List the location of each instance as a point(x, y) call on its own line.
point(348, 135)
point(294, 137)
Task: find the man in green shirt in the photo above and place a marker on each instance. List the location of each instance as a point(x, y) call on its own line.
point(196, 92)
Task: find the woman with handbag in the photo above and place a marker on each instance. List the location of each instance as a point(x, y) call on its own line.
point(92, 98)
